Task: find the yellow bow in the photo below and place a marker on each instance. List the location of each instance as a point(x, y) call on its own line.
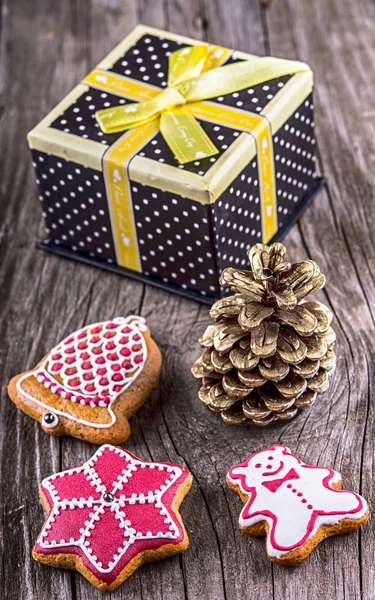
point(191, 78)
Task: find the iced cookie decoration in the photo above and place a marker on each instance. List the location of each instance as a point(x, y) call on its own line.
point(92, 382)
point(293, 504)
point(112, 514)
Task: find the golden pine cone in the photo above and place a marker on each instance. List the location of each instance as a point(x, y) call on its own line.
point(269, 351)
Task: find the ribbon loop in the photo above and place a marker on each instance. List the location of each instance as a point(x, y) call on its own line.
point(193, 76)
point(186, 63)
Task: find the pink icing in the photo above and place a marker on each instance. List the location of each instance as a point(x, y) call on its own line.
point(91, 368)
point(108, 535)
point(299, 497)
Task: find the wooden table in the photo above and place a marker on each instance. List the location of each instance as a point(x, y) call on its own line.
point(46, 47)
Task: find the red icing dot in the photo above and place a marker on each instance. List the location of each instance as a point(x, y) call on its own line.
point(299, 494)
point(136, 348)
point(304, 501)
point(86, 365)
point(102, 371)
point(258, 465)
point(71, 371)
point(124, 340)
point(294, 490)
point(82, 335)
point(104, 381)
point(109, 334)
point(96, 329)
point(74, 382)
point(112, 356)
point(116, 367)
point(270, 458)
point(57, 366)
point(110, 346)
point(70, 360)
point(69, 350)
point(90, 388)
point(138, 359)
point(111, 325)
point(289, 485)
point(136, 337)
point(126, 330)
point(309, 506)
point(85, 356)
point(69, 395)
point(100, 360)
point(127, 365)
point(117, 388)
point(117, 377)
point(95, 339)
point(88, 376)
point(269, 467)
point(69, 341)
point(82, 346)
point(97, 350)
point(87, 400)
point(125, 352)
point(56, 356)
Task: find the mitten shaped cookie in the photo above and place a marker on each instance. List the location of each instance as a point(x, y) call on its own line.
point(92, 382)
point(293, 504)
point(112, 514)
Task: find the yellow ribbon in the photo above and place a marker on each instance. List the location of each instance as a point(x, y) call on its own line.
point(193, 76)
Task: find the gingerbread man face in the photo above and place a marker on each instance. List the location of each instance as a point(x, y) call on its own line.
point(295, 505)
point(264, 466)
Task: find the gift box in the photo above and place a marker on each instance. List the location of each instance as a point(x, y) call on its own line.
point(175, 195)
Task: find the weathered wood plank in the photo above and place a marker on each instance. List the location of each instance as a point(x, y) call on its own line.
point(338, 233)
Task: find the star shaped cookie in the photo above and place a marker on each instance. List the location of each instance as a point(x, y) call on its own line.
point(111, 514)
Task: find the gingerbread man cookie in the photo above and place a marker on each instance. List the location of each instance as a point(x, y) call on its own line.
point(295, 505)
point(112, 514)
point(92, 382)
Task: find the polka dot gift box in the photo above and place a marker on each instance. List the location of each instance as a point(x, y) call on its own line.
point(113, 161)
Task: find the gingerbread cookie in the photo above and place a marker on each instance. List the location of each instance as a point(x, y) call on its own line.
point(91, 383)
point(293, 504)
point(112, 514)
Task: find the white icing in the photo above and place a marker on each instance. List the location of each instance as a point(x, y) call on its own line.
point(292, 504)
point(135, 323)
point(120, 501)
point(54, 422)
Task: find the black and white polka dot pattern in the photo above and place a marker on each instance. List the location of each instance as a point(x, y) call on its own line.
point(175, 240)
point(79, 119)
point(74, 206)
point(294, 154)
point(147, 60)
point(237, 218)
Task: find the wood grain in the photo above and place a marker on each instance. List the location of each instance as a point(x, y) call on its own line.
point(45, 49)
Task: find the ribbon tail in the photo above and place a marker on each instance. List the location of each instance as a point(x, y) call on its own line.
point(185, 136)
